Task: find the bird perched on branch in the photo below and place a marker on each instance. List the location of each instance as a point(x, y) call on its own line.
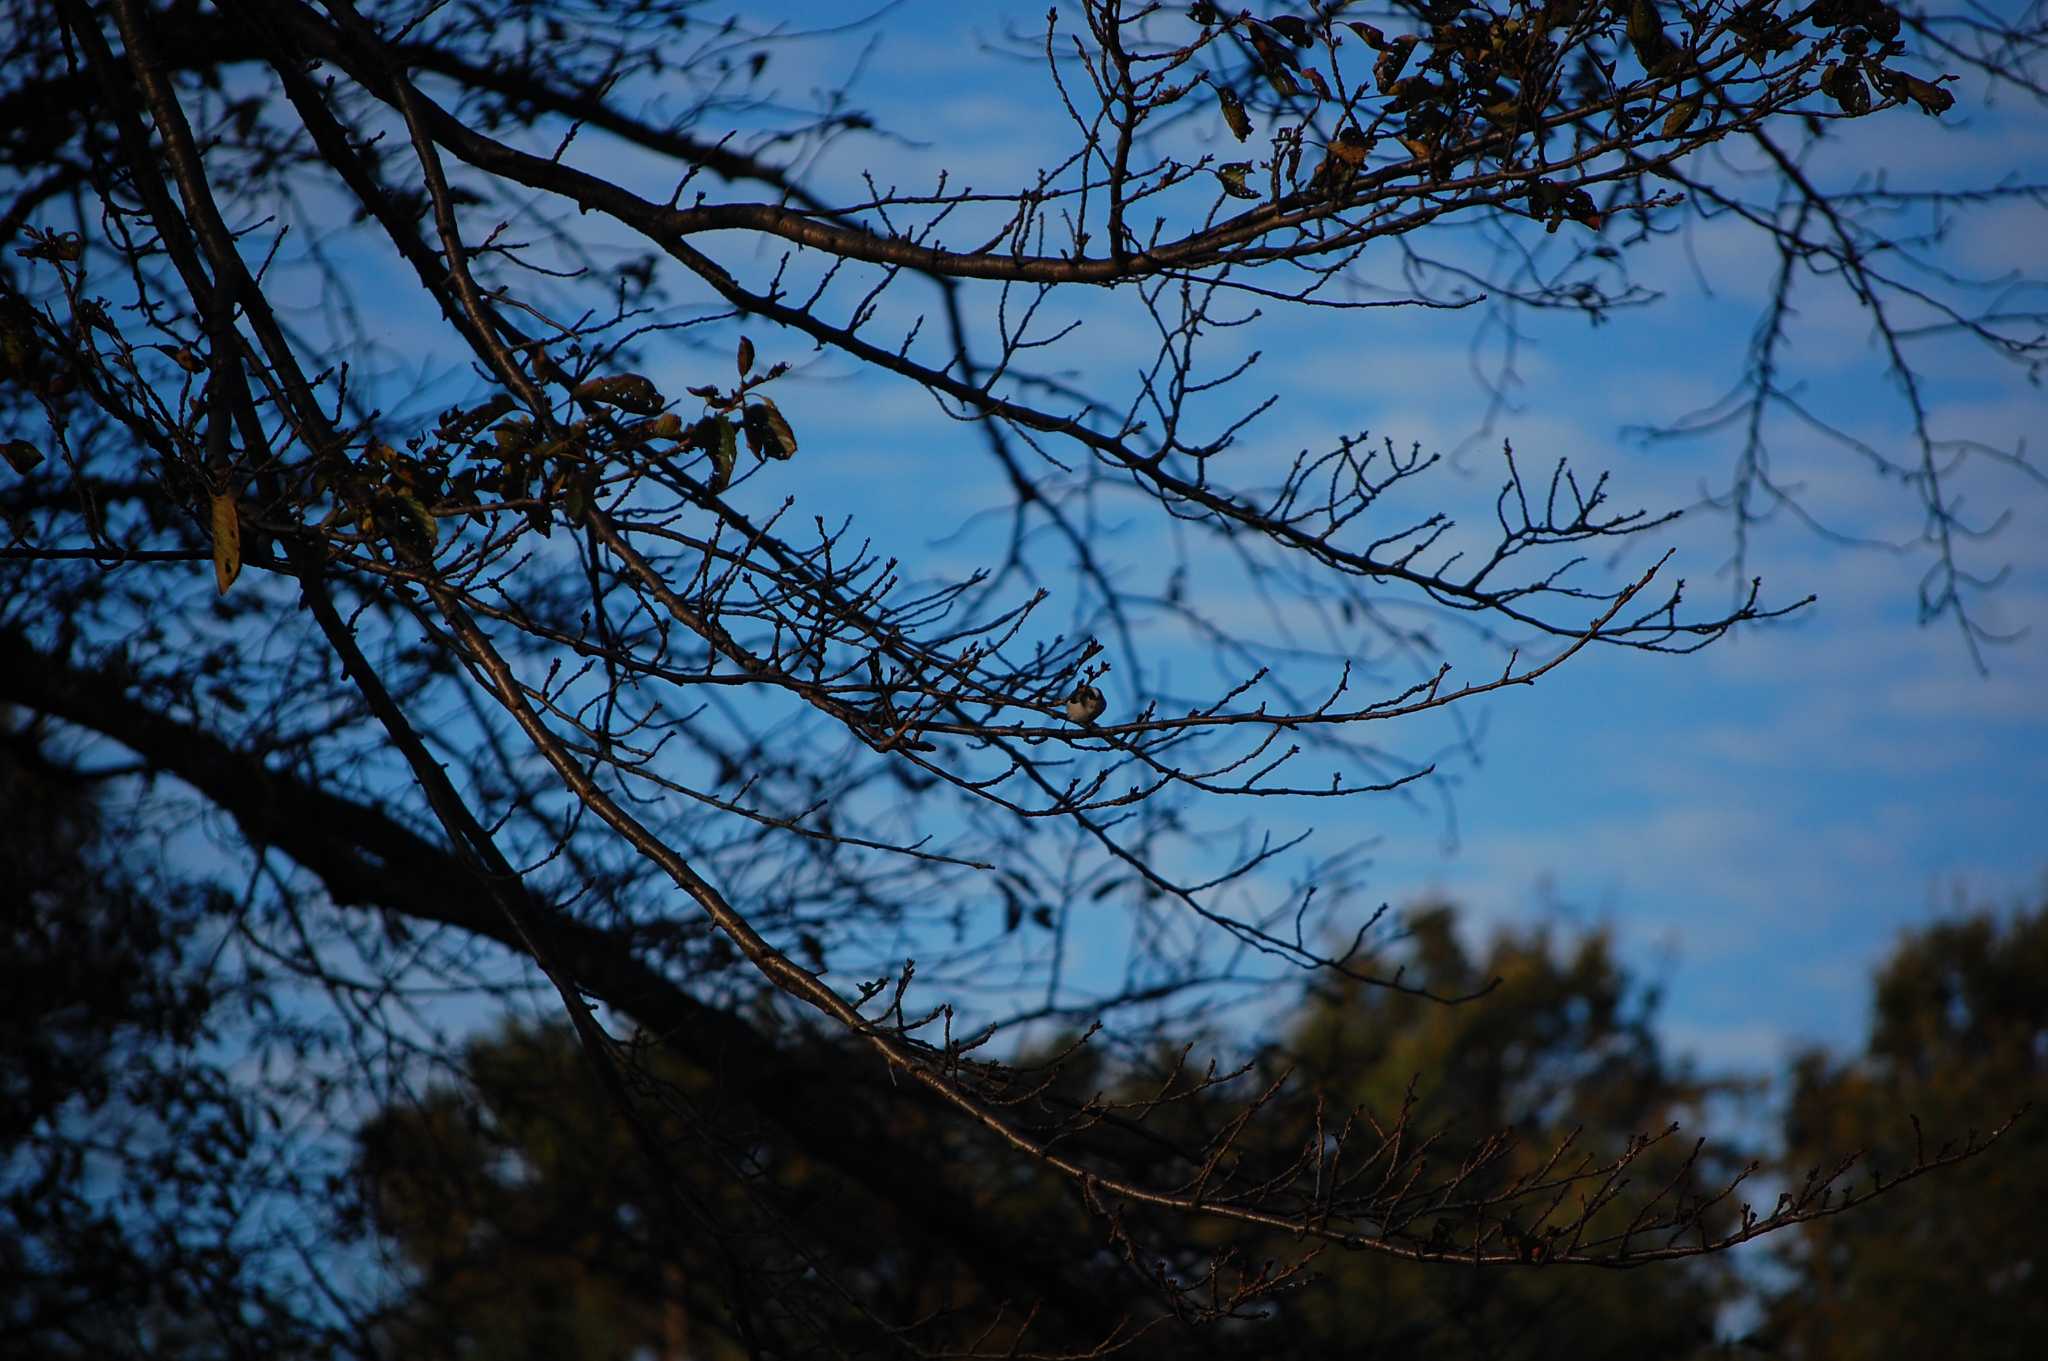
point(1086, 704)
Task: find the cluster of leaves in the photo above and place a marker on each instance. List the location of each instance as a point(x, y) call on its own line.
point(1866, 35)
point(1494, 87)
point(364, 492)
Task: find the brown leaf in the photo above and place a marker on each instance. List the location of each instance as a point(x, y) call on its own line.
point(768, 434)
point(1681, 116)
point(1929, 96)
point(1902, 85)
point(1232, 174)
point(1234, 116)
point(1388, 68)
point(714, 435)
point(627, 391)
point(1294, 28)
point(459, 424)
point(1274, 56)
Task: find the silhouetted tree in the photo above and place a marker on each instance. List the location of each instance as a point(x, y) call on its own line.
point(524, 1218)
point(1958, 1041)
point(129, 1157)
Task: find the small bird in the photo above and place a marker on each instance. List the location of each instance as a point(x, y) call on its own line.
point(1086, 704)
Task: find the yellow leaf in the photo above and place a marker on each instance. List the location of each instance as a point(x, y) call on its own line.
point(227, 542)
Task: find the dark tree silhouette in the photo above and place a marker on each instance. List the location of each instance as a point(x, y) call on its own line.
point(403, 500)
point(126, 1148)
point(1958, 1040)
point(524, 1214)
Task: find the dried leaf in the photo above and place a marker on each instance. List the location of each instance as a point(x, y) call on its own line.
point(1232, 174)
point(1392, 60)
point(1268, 42)
point(456, 423)
point(714, 435)
point(1843, 85)
point(420, 520)
point(1234, 116)
point(1294, 28)
point(1555, 202)
point(627, 391)
point(1653, 46)
point(227, 542)
point(1928, 95)
point(768, 434)
point(1681, 116)
point(1902, 85)
point(746, 356)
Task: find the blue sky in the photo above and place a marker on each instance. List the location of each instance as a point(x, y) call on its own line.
point(1757, 823)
